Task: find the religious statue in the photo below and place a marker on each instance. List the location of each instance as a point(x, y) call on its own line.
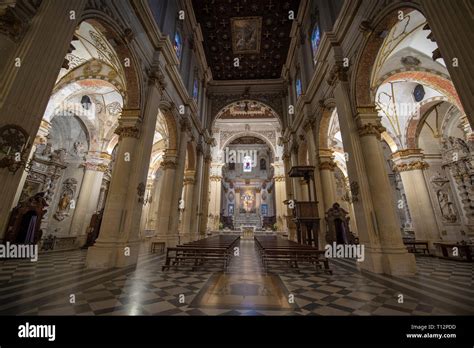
point(67, 195)
point(446, 206)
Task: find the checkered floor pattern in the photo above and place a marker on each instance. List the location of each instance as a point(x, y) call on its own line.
point(59, 284)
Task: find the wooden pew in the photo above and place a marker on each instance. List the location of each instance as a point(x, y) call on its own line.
point(201, 253)
point(276, 250)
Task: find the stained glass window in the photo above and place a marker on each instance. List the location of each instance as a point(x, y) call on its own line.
point(315, 40)
point(196, 89)
point(299, 86)
point(178, 44)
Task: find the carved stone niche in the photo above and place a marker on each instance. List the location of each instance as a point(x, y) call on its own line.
point(67, 195)
point(337, 220)
point(443, 193)
point(25, 221)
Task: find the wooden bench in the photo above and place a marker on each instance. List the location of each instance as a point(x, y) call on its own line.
point(276, 250)
point(412, 244)
point(201, 253)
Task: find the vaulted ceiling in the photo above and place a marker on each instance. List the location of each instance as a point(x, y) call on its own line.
point(255, 32)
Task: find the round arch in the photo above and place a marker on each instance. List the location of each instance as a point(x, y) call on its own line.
point(416, 121)
point(223, 109)
point(169, 114)
point(362, 94)
point(110, 29)
point(246, 134)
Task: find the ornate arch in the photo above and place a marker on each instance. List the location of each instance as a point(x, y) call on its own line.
point(271, 100)
point(112, 31)
point(169, 114)
point(415, 124)
point(362, 94)
point(246, 134)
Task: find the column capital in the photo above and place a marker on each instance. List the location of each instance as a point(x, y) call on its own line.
point(409, 159)
point(279, 178)
point(169, 162)
point(412, 165)
point(369, 122)
point(216, 178)
point(129, 124)
point(337, 73)
point(96, 167)
point(328, 165)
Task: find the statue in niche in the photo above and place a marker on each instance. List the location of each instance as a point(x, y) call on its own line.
point(78, 148)
point(67, 195)
point(58, 155)
point(446, 206)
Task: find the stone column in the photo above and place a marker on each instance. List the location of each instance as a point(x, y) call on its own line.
point(328, 182)
point(394, 257)
point(88, 198)
point(451, 26)
point(118, 242)
point(24, 92)
point(176, 194)
point(409, 163)
point(186, 231)
point(280, 196)
point(196, 211)
point(169, 166)
point(380, 256)
point(215, 196)
point(205, 197)
point(155, 201)
point(290, 196)
point(106, 250)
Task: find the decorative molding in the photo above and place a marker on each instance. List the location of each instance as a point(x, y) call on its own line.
point(128, 132)
point(97, 167)
point(371, 129)
point(328, 165)
point(336, 74)
point(168, 163)
point(413, 165)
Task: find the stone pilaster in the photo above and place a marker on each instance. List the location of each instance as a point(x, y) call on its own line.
point(328, 182)
point(187, 234)
point(215, 181)
point(169, 166)
point(205, 197)
point(394, 257)
point(280, 196)
point(88, 198)
point(410, 164)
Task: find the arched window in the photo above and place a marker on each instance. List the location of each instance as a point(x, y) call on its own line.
point(196, 88)
point(263, 164)
point(298, 85)
point(315, 40)
point(178, 44)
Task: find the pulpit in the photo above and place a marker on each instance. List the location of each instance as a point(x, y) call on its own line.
point(305, 213)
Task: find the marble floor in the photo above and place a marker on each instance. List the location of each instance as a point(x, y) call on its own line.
point(59, 284)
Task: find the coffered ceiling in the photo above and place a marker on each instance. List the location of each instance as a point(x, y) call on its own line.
point(256, 32)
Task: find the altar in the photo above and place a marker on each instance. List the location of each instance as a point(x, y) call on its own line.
point(247, 232)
